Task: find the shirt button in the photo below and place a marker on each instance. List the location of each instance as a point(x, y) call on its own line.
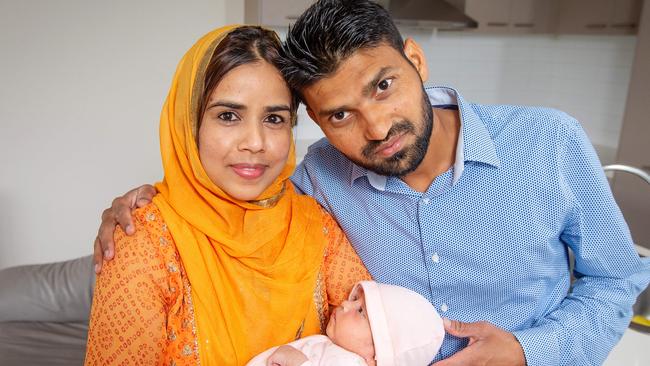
point(444, 308)
point(425, 200)
point(435, 258)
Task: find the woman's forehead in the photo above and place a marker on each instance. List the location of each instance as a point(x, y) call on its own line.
point(257, 80)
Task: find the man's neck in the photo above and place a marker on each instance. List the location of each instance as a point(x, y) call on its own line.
point(441, 153)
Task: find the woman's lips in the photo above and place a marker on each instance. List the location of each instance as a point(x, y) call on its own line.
point(249, 171)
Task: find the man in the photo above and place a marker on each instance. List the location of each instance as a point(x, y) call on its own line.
point(474, 207)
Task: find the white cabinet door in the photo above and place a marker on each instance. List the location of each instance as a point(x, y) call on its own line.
point(531, 16)
point(583, 16)
point(491, 15)
point(274, 13)
point(511, 16)
point(625, 16)
point(598, 16)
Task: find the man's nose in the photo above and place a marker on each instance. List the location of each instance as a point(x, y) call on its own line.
point(377, 123)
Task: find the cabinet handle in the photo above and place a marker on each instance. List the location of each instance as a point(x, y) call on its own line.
point(596, 26)
point(496, 24)
point(624, 25)
point(524, 25)
point(291, 17)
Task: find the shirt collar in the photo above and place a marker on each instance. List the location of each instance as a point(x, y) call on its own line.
point(474, 140)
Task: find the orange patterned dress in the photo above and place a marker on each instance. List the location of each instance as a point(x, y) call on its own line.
point(142, 311)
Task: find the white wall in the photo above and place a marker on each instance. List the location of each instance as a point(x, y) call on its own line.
point(82, 83)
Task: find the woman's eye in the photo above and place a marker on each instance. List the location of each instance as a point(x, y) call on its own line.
point(228, 116)
point(274, 119)
point(384, 84)
point(360, 310)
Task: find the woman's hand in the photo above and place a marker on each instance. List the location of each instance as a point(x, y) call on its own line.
point(119, 214)
point(286, 356)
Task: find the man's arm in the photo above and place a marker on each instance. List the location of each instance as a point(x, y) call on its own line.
point(119, 214)
point(609, 274)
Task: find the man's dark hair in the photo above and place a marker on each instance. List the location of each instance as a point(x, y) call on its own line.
point(328, 32)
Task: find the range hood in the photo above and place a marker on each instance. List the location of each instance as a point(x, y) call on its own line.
point(438, 14)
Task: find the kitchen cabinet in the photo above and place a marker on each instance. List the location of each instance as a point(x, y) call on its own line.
point(274, 13)
point(553, 16)
point(632, 193)
point(510, 16)
point(626, 15)
point(491, 15)
point(532, 16)
point(598, 16)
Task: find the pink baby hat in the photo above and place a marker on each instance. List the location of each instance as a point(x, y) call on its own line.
point(406, 328)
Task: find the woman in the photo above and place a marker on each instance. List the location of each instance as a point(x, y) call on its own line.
point(228, 260)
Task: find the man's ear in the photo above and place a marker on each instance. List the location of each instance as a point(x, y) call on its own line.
point(415, 55)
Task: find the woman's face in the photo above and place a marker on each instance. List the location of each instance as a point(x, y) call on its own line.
point(245, 132)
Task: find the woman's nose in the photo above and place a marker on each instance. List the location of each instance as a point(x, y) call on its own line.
point(252, 138)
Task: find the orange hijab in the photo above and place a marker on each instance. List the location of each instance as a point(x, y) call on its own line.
point(252, 268)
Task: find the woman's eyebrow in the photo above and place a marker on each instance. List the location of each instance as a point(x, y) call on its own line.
point(227, 104)
point(277, 108)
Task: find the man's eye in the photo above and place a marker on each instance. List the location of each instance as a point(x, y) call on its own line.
point(339, 116)
point(384, 84)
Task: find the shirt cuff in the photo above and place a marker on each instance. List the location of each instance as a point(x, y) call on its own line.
point(540, 345)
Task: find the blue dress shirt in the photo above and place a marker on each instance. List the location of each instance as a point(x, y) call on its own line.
point(490, 238)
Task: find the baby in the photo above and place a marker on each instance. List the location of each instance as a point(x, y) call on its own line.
point(378, 325)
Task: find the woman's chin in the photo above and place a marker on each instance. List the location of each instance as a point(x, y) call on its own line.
point(246, 194)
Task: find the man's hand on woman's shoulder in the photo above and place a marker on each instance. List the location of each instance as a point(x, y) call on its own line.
point(119, 214)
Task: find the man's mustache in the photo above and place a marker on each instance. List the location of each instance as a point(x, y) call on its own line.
point(400, 127)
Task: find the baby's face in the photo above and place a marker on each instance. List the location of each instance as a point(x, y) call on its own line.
point(349, 326)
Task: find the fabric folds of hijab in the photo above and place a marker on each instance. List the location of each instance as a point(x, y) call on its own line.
point(252, 268)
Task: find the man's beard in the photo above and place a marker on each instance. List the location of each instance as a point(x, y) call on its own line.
point(409, 158)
